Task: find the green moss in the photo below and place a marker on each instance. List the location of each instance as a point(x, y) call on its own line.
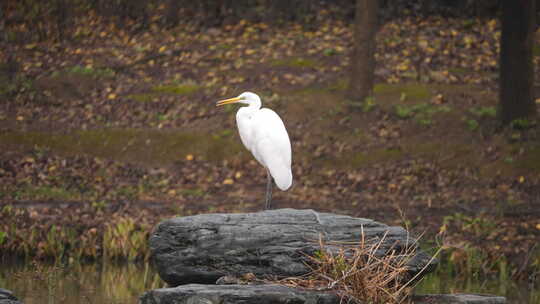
point(180, 89)
point(224, 46)
point(8, 86)
point(175, 89)
point(411, 91)
point(484, 111)
point(472, 124)
point(522, 123)
point(459, 70)
point(137, 145)
point(86, 71)
point(193, 192)
point(422, 112)
point(46, 193)
point(530, 160)
point(362, 159)
point(294, 63)
point(429, 148)
point(143, 97)
point(536, 49)
point(339, 85)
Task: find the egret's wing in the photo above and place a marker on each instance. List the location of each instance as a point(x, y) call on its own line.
point(245, 125)
point(272, 147)
point(274, 162)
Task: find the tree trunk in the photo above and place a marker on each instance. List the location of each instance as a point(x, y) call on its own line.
point(516, 98)
point(62, 18)
point(363, 57)
point(172, 16)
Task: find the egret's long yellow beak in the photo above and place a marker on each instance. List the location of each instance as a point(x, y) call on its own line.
point(227, 101)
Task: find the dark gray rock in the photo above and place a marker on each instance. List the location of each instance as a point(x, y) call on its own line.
point(276, 294)
point(203, 248)
point(230, 294)
point(7, 297)
point(458, 298)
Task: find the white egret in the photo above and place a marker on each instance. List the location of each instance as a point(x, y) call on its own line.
point(263, 133)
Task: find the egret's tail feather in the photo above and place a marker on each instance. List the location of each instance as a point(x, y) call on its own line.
point(279, 166)
point(283, 177)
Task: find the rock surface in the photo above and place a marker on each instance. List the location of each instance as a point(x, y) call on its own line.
point(244, 294)
point(7, 297)
point(255, 294)
point(203, 248)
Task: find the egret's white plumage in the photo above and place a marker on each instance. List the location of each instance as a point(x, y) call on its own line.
point(263, 133)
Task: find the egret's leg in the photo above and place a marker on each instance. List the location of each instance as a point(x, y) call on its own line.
point(268, 190)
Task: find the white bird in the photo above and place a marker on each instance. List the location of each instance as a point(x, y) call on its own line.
point(263, 133)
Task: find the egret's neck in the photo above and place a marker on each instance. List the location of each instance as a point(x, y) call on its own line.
point(253, 105)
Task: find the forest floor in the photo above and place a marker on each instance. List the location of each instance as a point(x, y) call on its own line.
point(106, 134)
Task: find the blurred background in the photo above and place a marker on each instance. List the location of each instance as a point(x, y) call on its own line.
point(413, 113)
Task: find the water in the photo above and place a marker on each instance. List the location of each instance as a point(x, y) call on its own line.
point(96, 284)
point(515, 292)
point(124, 283)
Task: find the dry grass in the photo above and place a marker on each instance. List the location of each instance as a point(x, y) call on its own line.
point(358, 274)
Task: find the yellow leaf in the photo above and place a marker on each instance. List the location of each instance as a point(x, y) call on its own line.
point(171, 192)
point(442, 229)
point(521, 179)
point(250, 51)
point(228, 181)
point(423, 44)
point(189, 157)
point(111, 96)
point(238, 175)
point(52, 168)
point(402, 66)
point(492, 24)
point(162, 49)
point(538, 226)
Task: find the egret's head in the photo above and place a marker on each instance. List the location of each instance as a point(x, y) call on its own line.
point(245, 98)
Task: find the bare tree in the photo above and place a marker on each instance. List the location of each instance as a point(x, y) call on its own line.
point(516, 95)
point(363, 57)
